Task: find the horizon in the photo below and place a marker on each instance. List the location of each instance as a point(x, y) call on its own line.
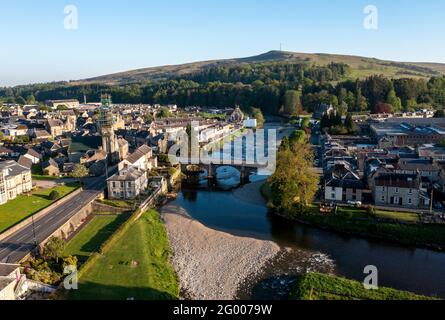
point(100, 38)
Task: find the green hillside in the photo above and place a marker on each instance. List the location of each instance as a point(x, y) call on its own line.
point(361, 67)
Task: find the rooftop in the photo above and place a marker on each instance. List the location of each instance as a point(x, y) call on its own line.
point(129, 174)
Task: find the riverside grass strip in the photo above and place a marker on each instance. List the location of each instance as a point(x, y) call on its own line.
point(317, 286)
point(132, 264)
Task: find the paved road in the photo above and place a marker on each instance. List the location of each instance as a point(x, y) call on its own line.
point(18, 245)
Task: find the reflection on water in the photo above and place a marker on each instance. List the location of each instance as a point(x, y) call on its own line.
point(418, 270)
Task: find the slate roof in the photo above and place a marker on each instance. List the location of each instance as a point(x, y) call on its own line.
point(129, 174)
point(34, 153)
point(397, 180)
point(50, 163)
point(139, 153)
point(55, 122)
point(25, 162)
point(13, 168)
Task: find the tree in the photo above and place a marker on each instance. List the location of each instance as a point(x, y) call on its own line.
point(292, 103)
point(349, 123)
point(80, 172)
point(164, 113)
point(258, 115)
point(439, 114)
point(305, 122)
point(54, 195)
point(393, 100)
point(294, 182)
point(361, 103)
point(382, 107)
point(20, 100)
point(285, 144)
point(53, 249)
point(298, 136)
point(411, 104)
point(31, 99)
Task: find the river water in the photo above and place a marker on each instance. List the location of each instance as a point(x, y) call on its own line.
point(311, 249)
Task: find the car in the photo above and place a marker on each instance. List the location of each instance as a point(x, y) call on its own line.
point(355, 203)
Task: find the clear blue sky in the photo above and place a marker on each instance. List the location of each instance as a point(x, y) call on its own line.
point(117, 35)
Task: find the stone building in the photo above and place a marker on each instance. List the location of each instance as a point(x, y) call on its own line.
point(127, 184)
point(14, 180)
point(400, 190)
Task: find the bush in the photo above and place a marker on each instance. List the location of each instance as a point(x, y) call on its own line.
point(69, 261)
point(54, 195)
point(370, 211)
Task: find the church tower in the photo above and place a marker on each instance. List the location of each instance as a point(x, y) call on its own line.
point(105, 126)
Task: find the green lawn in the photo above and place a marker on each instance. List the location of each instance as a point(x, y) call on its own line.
point(401, 216)
point(22, 207)
point(392, 215)
point(125, 204)
point(91, 237)
point(137, 266)
point(316, 286)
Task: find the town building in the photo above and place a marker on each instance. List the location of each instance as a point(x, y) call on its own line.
point(393, 134)
point(51, 168)
point(10, 277)
point(400, 190)
point(15, 179)
point(69, 104)
point(127, 184)
point(142, 159)
point(342, 184)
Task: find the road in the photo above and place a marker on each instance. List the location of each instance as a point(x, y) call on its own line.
point(18, 245)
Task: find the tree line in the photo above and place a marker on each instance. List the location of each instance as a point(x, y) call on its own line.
point(274, 87)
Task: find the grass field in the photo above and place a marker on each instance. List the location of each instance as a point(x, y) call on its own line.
point(22, 207)
point(391, 215)
point(118, 203)
point(316, 286)
point(91, 237)
point(136, 267)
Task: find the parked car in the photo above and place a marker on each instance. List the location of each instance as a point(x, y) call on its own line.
point(355, 203)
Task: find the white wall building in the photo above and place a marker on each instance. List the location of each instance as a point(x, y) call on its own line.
point(14, 180)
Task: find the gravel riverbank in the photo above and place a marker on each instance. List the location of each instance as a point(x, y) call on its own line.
point(211, 264)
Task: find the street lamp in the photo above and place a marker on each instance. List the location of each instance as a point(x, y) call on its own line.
point(34, 230)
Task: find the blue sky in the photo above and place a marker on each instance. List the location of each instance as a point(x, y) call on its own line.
point(121, 35)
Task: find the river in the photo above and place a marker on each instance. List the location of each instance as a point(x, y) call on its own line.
point(310, 249)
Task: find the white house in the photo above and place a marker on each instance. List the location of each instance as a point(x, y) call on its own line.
point(250, 123)
point(141, 159)
point(34, 156)
point(127, 184)
point(15, 179)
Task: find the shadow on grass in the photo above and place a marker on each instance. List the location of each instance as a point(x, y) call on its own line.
point(95, 291)
point(93, 245)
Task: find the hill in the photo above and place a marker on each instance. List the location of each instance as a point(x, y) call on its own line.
point(361, 67)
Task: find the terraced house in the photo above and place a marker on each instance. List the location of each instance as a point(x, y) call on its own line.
point(401, 190)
